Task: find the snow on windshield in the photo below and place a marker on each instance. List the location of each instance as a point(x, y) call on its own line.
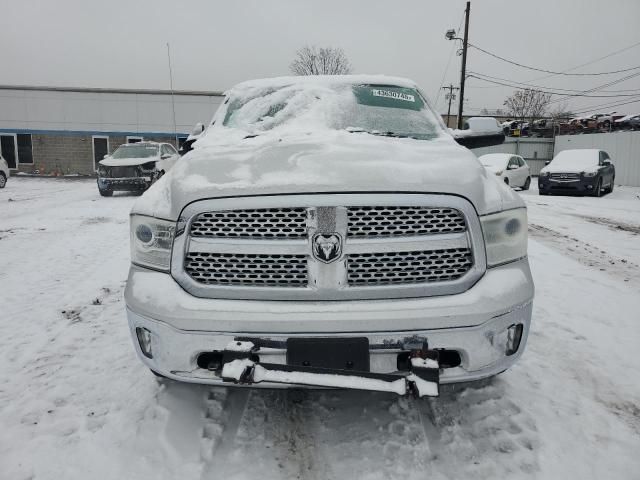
point(136, 151)
point(494, 160)
point(380, 110)
point(576, 159)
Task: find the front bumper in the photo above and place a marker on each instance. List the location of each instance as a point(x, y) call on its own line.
point(474, 324)
point(125, 183)
point(580, 186)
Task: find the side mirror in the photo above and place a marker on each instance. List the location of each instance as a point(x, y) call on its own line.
point(106, 156)
point(547, 162)
point(197, 129)
point(482, 132)
point(606, 162)
point(165, 156)
point(512, 167)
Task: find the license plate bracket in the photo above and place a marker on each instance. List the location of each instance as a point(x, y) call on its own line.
point(335, 353)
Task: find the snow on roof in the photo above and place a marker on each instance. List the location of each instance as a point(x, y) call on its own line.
point(320, 81)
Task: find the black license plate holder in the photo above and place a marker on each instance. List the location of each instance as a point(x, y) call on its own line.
point(333, 353)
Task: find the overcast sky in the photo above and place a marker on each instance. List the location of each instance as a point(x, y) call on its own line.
point(122, 43)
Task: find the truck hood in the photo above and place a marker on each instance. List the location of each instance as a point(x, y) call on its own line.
point(338, 162)
point(126, 162)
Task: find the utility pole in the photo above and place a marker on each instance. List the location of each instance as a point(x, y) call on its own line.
point(463, 73)
point(450, 96)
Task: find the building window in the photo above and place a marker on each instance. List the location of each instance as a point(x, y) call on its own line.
point(100, 149)
point(133, 139)
point(8, 149)
point(25, 150)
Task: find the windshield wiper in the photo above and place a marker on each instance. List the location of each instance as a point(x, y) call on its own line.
point(379, 133)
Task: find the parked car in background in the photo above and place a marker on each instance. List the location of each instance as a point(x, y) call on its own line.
point(4, 172)
point(581, 171)
point(606, 121)
point(512, 169)
point(515, 128)
point(135, 166)
point(628, 122)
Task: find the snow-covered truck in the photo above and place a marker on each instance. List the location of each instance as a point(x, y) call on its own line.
point(330, 232)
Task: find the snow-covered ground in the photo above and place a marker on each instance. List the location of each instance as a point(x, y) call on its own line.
point(75, 403)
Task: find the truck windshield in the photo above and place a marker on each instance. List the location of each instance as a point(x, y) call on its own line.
point(135, 151)
point(375, 109)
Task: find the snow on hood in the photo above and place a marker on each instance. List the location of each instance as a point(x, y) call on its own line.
point(330, 161)
point(574, 161)
point(126, 162)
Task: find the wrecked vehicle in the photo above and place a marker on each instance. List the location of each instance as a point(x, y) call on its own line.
point(328, 231)
point(134, 167)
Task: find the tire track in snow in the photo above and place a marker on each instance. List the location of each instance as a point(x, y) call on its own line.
point(483, 433)
point(587, 254)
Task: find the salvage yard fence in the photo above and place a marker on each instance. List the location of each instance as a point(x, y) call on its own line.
point(535, 151)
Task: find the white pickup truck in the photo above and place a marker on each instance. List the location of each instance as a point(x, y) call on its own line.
point(329, 232)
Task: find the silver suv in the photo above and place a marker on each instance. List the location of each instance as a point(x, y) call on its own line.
point(329, 232)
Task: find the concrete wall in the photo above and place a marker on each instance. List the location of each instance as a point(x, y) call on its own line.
point(102, 111)
point(622, 147)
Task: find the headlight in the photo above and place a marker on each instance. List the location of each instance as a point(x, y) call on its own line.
point(102, 171)
point(589, 174)
point(544, 174)
point(505, 236)
point(151, 242)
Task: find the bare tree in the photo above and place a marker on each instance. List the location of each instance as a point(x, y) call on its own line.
point(527, 104)
point(320, 61)
point(561, 112)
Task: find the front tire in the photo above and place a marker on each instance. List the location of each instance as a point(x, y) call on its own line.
point(105, 193)
point(610, 189)
point(3, 180)
point(598, 192)
point(527, 184)
point(506, 181)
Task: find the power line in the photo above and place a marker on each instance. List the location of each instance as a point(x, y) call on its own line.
point(636, 90)
point(551, 71)
point(577, 93)
point(605, 85)
point(591, 62)
point(607, 105)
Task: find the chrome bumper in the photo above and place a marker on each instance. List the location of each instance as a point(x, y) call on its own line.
point(482, 348)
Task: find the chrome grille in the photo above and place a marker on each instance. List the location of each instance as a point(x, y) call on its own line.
point(283, 223)
point(565, 176)
point(408, 267)
point(247, 269)
point(391, 246)
point(396, 221)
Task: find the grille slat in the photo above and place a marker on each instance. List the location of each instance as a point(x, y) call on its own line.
point(373, 269)
point(403, 221)
point(266, 223)
point(254, 270)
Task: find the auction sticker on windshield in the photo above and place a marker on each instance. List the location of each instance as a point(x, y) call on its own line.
point(391, 94)
point(388, 96)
